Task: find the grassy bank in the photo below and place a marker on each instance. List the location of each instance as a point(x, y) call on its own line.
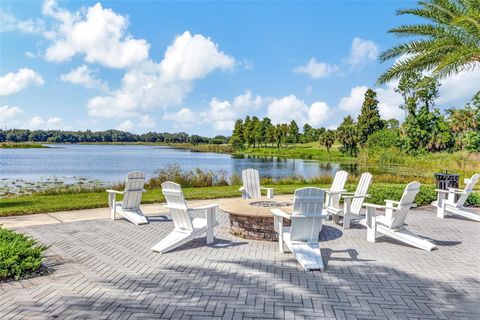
point(13, 145)
point(43, 203)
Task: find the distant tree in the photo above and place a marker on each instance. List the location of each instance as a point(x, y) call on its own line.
point(347, 135)
point(448, 43)
point(369, 120)
point(256, 132)
point(238, 139)
point(277, 135)
point(285, 128)
point(327, 139)
point(293, 132)
point(267, 136)
point(247, 127)
point(392, 124)
point(461, 122)
point(307, 133)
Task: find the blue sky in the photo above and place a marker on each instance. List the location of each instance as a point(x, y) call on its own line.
point(196, 66)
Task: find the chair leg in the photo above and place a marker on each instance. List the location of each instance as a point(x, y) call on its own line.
point(371, 225)
point(210, 225)
point(346, 221)
point(280, 242)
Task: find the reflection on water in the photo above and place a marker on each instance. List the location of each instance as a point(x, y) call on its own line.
point(110, 163)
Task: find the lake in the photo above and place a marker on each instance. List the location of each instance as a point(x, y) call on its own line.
point(110, 163)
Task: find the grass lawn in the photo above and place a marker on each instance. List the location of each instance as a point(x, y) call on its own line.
point(12, 145)
point(43, 203)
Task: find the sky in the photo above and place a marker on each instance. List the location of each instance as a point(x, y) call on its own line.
point(198, 66)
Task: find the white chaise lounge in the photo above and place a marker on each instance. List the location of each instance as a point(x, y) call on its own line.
point(333, 194)
point(447, 205)
point(391, 222)
point(129, 207)
point(353, 202)
point(302, 237)
point(186, 227)
point(251, 188)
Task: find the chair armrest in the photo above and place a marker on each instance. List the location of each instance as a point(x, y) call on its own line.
point(335, 191)
point(441, 191)
point(114, 191)
point(205, 207)
point(376, 206)
point(280, 213)
point(456, 191)
point(301, 216)
point(266, 188)
point(392, 201)
point(353, 197)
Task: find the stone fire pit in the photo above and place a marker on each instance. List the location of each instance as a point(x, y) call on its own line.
point(252, 218)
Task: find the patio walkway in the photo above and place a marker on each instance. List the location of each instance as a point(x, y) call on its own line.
point(105, 269)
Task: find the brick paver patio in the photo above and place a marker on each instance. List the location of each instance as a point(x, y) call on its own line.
point(104, 269)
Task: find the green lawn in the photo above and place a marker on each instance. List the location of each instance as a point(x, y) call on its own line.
point(39, 203)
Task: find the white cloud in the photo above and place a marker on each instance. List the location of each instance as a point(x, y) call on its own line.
point(318, 113)
point(9, 22)
point(353, 103)
point(150, 85)
point(389, 101)
point(224, 113)
point(126, 126)
point(146, 122)
point(185, 117)
point(85, 77)
point(140, 122)
point(98, 33)
point(38, 122)
point(30, 55)
point(7, 112)
point(460, 87)
point(15, 82)
point(317, 69)
point(361, 52)
point(290, 108)
point(193, 57)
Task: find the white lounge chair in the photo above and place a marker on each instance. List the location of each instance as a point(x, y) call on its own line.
point(391, 222)
point(129, 207)
point(447, 205)
point(251, 188)
point(352, 202)
point(302, 237)
point(186, 228)
point(333, 194)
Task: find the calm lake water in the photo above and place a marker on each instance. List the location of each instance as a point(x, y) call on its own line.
point(110, 163)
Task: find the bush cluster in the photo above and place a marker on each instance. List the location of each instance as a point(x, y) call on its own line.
point(19, 255)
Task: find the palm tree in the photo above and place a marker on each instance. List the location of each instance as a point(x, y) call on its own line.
point(447, 44)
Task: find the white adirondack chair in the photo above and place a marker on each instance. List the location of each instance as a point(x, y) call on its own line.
point(446, 204)
point(129, 207)
point(391, 223)
point(333, 194)
point(186, 228)
point(302, 237)
point(352, 202)
point(251, 188)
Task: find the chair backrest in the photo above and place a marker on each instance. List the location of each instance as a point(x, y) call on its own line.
point(177, 205)
point(251, 183)
point(308, 203)
point(470, 184)
point(132, 194)
point(339, 180)
point(396, 218)
point(362, 189)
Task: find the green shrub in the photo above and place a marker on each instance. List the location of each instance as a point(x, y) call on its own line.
point(472, 141)
point(19, 255)
point(386, 138)
point(380, 192)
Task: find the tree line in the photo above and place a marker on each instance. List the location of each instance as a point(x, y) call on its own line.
point(425, 128)
point(107, 136)
point(253, 132)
